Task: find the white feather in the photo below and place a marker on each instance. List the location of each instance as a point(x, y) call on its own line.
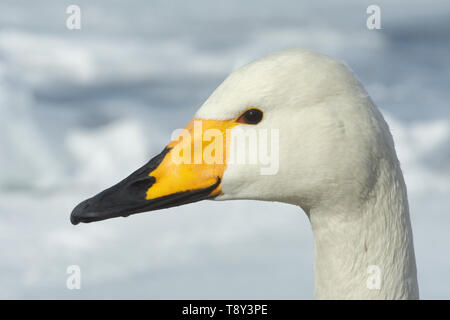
point(336, 160)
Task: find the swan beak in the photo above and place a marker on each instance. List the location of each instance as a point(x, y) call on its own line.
point(189, 169)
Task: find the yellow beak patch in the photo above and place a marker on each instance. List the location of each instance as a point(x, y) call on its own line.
point(196, 159)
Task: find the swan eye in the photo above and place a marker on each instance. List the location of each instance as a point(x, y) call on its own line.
point(251, 116)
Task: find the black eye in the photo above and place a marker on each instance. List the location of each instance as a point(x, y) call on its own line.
point(251, 116)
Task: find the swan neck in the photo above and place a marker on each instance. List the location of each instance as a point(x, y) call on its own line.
point(365, 250)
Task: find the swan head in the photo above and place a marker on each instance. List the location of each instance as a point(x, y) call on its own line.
point(294, 127)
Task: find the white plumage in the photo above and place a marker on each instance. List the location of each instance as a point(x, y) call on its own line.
point(335, 159)
point(337, 162)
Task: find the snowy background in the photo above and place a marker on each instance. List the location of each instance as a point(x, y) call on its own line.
point(81, 109)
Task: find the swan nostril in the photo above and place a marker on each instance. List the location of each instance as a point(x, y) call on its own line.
point(141, 185)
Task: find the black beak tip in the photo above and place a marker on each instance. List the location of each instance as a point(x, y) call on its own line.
point(74, 218)
point(80, 213)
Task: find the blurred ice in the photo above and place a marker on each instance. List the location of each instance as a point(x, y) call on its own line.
point(80, 110)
